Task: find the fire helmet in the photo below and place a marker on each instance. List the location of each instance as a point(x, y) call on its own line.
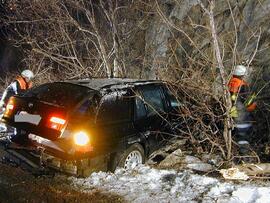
point(27, 74)
point(240, 70)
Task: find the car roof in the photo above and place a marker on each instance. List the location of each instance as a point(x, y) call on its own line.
point(104, 83)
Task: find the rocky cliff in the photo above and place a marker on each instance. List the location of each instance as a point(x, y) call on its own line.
point(152, 36)
point(182, 27)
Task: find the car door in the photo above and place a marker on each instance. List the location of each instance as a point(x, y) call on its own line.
point(114, 120)
point(150, 114)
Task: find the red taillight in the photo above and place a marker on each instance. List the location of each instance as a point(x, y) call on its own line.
point(56, 123)
point(57, 120)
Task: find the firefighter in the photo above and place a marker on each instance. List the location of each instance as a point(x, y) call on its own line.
point(243, 103)
point(20, 84)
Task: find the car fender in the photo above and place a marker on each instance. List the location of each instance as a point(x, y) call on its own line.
point(141, 139)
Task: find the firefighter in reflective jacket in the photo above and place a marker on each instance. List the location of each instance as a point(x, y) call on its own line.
point(243, 103)
point(22, 83)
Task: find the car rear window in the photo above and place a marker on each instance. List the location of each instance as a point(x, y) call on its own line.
point(62, 94)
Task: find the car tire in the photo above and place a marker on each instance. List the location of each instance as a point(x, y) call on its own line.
point(130, 158)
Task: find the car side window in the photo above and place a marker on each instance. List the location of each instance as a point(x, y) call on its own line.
point(114, 106)
point(87, 108)
point(83, 109)
point(140, 111)
point(153, 99)
point(173, 101)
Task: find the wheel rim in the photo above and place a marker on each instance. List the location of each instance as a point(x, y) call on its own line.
point(133, 159)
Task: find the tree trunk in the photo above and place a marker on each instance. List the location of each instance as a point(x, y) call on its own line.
point(227, 133)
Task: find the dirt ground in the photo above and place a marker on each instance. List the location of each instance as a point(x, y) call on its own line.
point(17, 185)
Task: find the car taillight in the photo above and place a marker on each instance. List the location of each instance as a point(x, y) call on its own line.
point(58, 120)
point(56, 123)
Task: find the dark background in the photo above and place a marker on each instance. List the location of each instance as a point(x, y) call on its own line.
point(9, 57)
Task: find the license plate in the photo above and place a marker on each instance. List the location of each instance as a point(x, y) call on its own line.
point(38, 139)
point(27, 118)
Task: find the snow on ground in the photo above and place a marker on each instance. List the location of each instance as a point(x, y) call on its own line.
point(146, 184)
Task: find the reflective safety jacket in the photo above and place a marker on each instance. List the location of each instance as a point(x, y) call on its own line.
point(16, 87)
point(23, 84)
point(237, 85)
point(239, 90)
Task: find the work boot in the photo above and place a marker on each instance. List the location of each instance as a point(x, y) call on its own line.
point(244, 147)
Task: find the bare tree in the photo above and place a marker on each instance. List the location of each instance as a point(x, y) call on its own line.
point(79, 37)
point(228, 123)
point(86, 38)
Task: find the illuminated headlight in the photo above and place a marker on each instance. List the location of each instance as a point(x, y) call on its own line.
point(81, 138)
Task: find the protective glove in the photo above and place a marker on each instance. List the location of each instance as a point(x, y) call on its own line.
point(233, 97)
point(250, 100)
point(234, 112)
point(250, 103)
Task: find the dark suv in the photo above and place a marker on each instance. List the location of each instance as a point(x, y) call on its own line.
point(96, 124)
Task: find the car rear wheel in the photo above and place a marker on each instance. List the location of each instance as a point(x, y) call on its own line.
point(132, 157)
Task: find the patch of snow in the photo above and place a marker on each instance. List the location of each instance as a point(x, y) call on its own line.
point(200, 167)
point(251, 194)
point(146, 184)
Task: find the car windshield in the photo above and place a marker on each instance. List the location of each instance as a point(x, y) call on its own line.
point(62, 94)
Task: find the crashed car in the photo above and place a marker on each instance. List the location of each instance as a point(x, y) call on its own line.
point(95, 124)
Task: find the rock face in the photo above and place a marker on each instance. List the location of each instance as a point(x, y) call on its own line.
point(159, 35)
point(182, 27)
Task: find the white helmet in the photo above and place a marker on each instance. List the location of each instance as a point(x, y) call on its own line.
point(27, 74)
point(240, 70)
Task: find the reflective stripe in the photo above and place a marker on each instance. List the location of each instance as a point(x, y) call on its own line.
point(23, 84)
point(14, 87)
point(242, 142)
point(244, 125)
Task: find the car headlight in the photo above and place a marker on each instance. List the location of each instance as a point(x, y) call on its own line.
point(81, 138)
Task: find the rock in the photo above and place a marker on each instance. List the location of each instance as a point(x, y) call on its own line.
point(173, 159)
point(212, 159)
point(175, 144)
point(177, 152)
point(195, 163)
point(202, 167)
point(159, 155)
point(177, 160)
point(192, 160)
